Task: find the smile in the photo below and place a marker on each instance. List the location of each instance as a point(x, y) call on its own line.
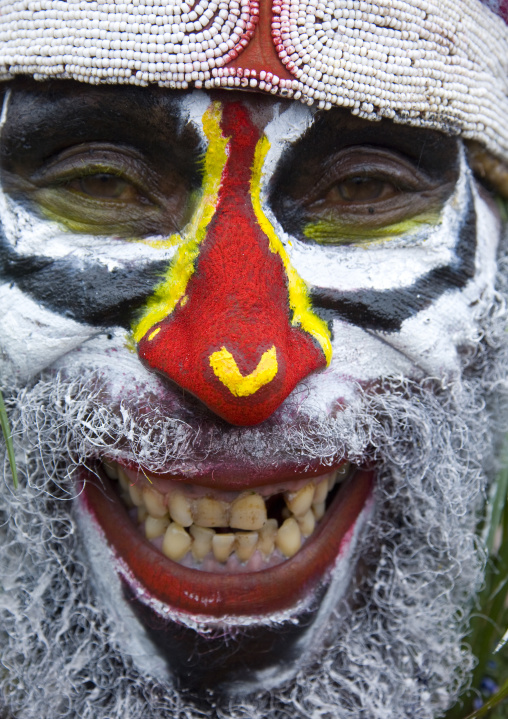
point(218, 552)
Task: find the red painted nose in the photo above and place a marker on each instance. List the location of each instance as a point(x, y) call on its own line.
point(230, 340)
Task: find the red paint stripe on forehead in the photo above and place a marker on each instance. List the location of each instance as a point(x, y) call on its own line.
point(235, 315)
point(260, 54)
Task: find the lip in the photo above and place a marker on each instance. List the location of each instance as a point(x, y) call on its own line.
point(240, 476)
point(217, 595)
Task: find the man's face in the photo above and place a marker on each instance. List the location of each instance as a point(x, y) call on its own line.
point(245, 338)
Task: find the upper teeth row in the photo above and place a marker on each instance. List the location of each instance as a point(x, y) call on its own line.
point(173, 513)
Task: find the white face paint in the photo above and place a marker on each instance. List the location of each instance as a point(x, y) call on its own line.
point(426, 342)
point(380, 265)
point(401, 299)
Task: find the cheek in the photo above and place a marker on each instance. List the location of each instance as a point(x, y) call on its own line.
point(435, 337)
point(407, 307)
point(360, 356)
point(59, 290)
point(33, 338)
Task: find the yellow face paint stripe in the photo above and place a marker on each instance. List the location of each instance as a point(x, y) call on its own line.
point(225, 368)
point(332, 232)
point(299, 299)
point(172, 289)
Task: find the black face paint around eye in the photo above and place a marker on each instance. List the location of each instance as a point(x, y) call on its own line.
point(386, 310)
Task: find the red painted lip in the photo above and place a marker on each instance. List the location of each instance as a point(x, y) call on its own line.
point(205, 593)
point(234, 479)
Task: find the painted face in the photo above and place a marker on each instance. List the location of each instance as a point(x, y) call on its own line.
point(247, 337)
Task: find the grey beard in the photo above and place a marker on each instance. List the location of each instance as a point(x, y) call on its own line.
point(395, 646)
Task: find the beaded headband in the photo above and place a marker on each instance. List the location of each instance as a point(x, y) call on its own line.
point(435, 63)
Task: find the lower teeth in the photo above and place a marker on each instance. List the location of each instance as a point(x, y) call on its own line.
point(201, 528)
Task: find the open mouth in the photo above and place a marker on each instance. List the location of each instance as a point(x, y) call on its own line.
point(229, 531)
point(222, 552)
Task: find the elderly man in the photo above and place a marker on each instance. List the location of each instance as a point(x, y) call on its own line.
point(253, 353)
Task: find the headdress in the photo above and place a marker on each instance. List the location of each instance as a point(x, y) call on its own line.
point(435, 63)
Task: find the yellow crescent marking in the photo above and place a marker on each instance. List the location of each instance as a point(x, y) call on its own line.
point(174, 285)
point(299, 300)
point(225, 368)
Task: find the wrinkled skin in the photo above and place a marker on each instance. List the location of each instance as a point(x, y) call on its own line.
point(397, 246)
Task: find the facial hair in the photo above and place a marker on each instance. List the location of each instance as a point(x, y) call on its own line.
point(395, 645)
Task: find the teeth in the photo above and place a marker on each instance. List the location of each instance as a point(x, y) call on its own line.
point(202, 544)
point(111, 470)
point(245, 545)
point(319, 509)
point(321, 491)
point(142, 514)
point(222, 546)
point(307, 523)
point(180, 509)
point(171, 515)
point(300, 502)
point(267, 534)
point(136, 495)
point(123, 479)
point(286, 513)
point(176, 542)
point(248, 512)
point(289, 538)
point(210, 512)
point(154, 502)
point(155, 527)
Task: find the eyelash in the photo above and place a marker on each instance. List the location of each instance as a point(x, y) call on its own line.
point(333, 178)
point(74, 164)
point(90, 172)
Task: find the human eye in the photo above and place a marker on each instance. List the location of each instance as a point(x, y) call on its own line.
point(95, 188)
point(368, 194)
point(359, 189)
point(105, 186)
point(360, 194)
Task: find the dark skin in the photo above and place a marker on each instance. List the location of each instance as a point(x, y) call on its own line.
point(122, 164)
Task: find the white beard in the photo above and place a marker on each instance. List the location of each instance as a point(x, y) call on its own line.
point(395, 645)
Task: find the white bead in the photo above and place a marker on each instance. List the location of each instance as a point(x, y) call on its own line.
point(350, 58)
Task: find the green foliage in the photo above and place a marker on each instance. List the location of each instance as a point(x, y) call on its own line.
point(6, 431)
point(489, 625)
